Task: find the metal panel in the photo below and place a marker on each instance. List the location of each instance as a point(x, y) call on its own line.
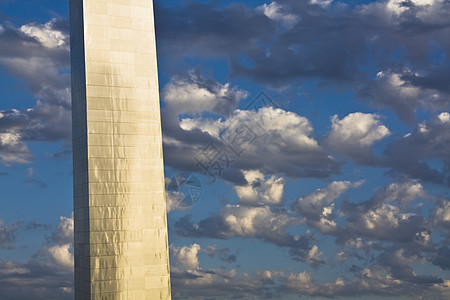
point(121, 249)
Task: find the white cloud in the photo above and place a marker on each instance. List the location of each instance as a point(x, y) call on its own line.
point(443, 213)
point(293, 130)
point(322, 3)
point(250, 222)
point(270, 140)
point(62, 256)
point(401, 86)
point(48, 119)
point(173, 198)
point(46, 34)
point(432, 11)
point(278, 13)
point(318, 206)
point(63, 236)
point(397, 11)
point(385, 216)
point(444, 117)
point(354, 135)
point(10, 268)
point(194, 94)
point(394, 274)
point(301, 282)
point(64, 230)
point(42, 64)
point(43, 122)
point(396, 6)
point(443, 288)
point(46, 79)
point(67, 290)
point(34, 280)
point(191, 281)
point(186, 256)
point(404, 192)
point(387, 222)
point(254, 221)
point(12, 150)
point(211, 126)
point(259, 190)
point(358, 129)
point(314, 258)
point(402, 92)
point(399, 6)
point(359, 244)
point(412, 153)
point(9, 138)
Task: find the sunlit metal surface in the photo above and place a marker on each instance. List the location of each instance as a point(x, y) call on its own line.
point(121, 249)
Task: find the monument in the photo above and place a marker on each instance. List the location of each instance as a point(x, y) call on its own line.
point(120, 246)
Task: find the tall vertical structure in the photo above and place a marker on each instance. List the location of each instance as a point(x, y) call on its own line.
point(121, 248)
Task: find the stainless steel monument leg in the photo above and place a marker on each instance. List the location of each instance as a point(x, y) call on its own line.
point(121, 248)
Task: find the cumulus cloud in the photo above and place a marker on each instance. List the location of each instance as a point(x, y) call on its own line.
point(250, 222)
point(43, 122)
point(383, 219)
point(12, 150)
point(372, 280)
point(406, 40)
point(192, 93)
point(271, 140)
point(186, 256)
point(33, 280)
point(399, 92)
point(322, 3)
point(260, 191)
point(411, 154)
point(61, 253)
point(403, 192)
point(64, 231)
point(318, 206)
point(9, 268)
point(444, 117)
point(190, 281)
point(40, 58)
point(278, 13)
point(302, 281)
point(46, 34)
point(422, 8)
point(399, 263)
point(355, 134)
point(173, 199)
point(62, 256)
point(49, 272)
point(442, 214)
point(314, 258)
point(213, 283)
point(386, 222)
point(43, 68)
point(243, 221)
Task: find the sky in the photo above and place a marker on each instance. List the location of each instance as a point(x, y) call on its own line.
point(306, 148)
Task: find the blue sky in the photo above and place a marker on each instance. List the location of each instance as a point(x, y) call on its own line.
point(314, 136)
